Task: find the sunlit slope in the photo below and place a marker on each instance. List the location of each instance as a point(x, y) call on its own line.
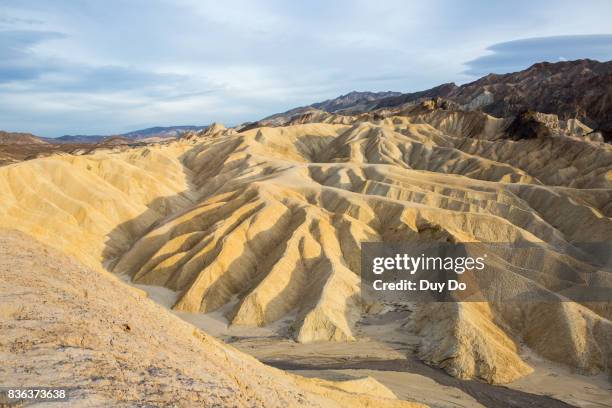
point(93, 206)
point(284, 210)
point(112, 347)
point(270, 222)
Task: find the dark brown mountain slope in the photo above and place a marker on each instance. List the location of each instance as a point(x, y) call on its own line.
point(571, 89)
point(580, 89)
point(19, 138)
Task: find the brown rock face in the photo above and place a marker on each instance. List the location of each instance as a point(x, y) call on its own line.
point(440, 91)
point(19, 138)
point(579, 89)
point(527, 125)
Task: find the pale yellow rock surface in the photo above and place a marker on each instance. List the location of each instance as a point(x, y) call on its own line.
point(463, 340)
point(65, 325)
point(93, 206)
point(271, 220)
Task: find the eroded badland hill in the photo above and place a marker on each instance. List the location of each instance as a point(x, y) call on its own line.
point(258, 229)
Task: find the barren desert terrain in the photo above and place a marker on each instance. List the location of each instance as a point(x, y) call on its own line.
point(253, 235)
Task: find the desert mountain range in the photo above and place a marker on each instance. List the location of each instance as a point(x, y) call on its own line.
point(136, 135)
point(570, 89)
point(16, 146)
point(260, 226)
point(160, 132)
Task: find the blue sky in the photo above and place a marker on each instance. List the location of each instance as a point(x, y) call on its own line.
point(103, 67)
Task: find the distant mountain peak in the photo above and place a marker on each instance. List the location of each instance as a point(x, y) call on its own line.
point(579, 89)
point(163, 132)
point(19, 138)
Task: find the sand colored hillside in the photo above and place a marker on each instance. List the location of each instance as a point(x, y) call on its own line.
point(268, 223)
point(93, 206)
point(284, 210)
point(113, 347)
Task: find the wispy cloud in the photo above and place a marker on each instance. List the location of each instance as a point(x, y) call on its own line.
point(515, 55)
point(18, 61)
point(108, 67)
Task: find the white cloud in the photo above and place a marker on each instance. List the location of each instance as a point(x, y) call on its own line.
point(104, 67)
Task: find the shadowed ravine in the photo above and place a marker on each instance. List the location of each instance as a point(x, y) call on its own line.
point(488, 395)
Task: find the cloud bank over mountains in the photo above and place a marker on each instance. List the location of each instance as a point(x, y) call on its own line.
point(515, 55)
point(91, 67)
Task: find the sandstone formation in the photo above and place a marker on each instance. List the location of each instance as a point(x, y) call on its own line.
point(268, 224)
point(65, 325)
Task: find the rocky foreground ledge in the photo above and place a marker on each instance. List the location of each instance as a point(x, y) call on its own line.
point(65, 325)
